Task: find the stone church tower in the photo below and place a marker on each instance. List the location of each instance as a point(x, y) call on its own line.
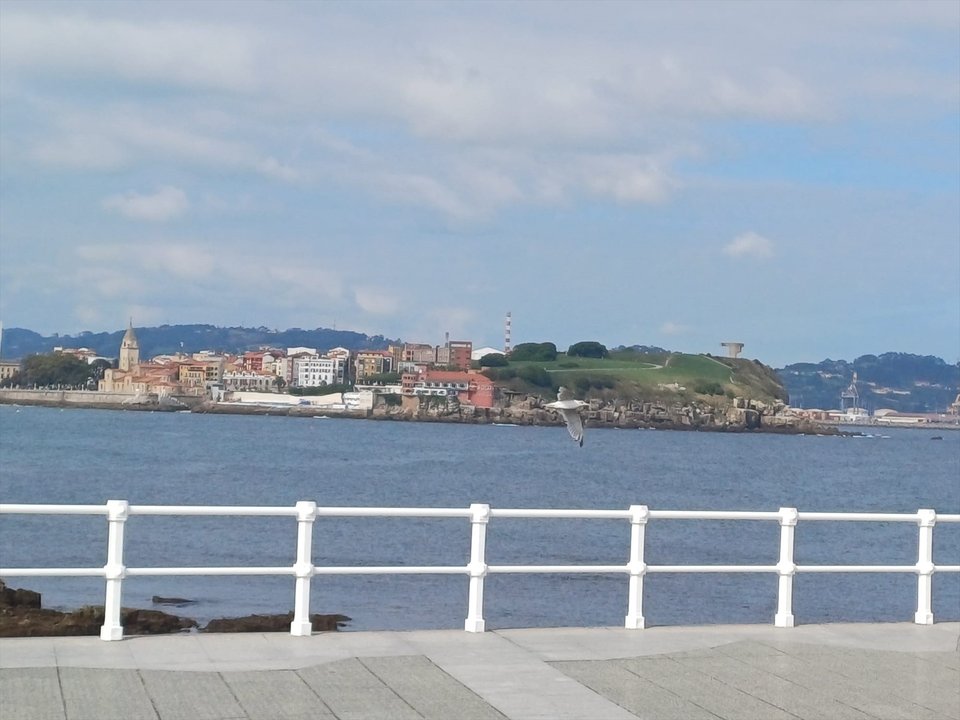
point(129, 350)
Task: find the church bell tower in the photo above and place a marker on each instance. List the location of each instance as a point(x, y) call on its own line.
point(129, 350)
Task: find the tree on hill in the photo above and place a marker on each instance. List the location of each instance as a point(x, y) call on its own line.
point(542, 352)
point(493, 360)
point(588, 349)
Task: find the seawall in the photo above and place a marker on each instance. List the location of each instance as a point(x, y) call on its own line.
point(95, 399)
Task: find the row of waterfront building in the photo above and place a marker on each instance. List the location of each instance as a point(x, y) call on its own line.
point(415, 369)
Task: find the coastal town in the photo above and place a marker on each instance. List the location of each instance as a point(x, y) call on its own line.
point(335, 379)
point(452, 381)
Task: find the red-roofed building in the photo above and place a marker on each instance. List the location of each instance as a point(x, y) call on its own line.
point(468, 387)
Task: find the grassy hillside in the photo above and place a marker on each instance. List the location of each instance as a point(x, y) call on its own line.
point(629, 375)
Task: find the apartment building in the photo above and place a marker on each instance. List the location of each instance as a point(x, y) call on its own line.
point(460, 354)
point(372, 362)
point(317, 371)
point(419, 353)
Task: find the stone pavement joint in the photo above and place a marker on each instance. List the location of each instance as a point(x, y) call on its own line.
point(811, 672)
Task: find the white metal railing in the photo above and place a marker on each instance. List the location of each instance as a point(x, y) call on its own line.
point(479, 515)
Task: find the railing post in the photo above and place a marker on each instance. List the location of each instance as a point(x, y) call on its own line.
point(114, 571)
point(479, 517)
point(639, 514)
point(786, 568)
point(925, 567)
point(303, 569)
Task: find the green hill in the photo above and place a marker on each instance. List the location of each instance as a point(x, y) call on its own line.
point(627, 375)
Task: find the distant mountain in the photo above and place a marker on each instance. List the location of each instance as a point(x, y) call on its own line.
point(899, 381)
point(19, 343)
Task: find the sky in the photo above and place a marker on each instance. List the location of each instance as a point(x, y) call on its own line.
point(679, 174)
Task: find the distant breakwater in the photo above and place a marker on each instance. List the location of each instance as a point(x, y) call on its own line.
point(96, 400)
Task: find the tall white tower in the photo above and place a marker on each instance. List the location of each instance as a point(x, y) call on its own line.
point(506, 334)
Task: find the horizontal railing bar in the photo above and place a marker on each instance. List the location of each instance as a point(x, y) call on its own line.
point(239, 510)
point(857, 568)
point(30, 509)
point(456, 569)
point(560, 513)
point(711, 568)
point(52, 572)
point(392, 512)
point(153, 571)
point(712, 515)
point(391, 570)
point(860, 517)
point(334, 511)
point(565, 569)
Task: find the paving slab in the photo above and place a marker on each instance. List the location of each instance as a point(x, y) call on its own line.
point(780, 692)
point(190, 695)
point(429, 690)
point(90, 694)
point(27, 652)
point(31, 694)
point(702, 690)
point(869, 695)
point(352, 692)
point(636, 695)
point(276, 695)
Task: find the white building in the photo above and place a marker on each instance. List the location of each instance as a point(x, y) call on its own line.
point(248, 380)
point(314, 371)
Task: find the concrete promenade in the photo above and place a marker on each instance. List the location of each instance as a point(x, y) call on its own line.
point(831, 672)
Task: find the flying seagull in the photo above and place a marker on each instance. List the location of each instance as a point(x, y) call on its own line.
point(570, 410)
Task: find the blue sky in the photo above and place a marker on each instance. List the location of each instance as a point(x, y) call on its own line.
point(783, 174)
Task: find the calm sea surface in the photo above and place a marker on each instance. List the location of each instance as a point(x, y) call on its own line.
point(88, 456)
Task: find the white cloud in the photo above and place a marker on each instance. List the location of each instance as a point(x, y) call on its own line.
point(273, 168)
point(166, 203)
point(186, 53)
point(672, 328)
point(376, 301)
point(749, 244)
point(625, 178)
point(126, 136)
point(80, 151)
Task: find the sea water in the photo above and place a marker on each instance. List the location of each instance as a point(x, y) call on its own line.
point(90, 456)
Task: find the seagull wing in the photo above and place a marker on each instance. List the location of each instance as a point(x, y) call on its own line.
point(574, 424)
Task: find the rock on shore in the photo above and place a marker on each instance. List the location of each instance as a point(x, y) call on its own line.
point(21, 615)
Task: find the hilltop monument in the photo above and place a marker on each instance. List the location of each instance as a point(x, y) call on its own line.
point(733, 348)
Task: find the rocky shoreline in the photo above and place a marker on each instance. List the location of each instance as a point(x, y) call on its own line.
point(740, 415)
point(21, 615)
